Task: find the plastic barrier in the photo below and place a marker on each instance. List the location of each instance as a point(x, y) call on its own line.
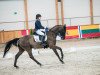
point(84, 31)
point(25, 32)
point(72, 32)
point(89, 31)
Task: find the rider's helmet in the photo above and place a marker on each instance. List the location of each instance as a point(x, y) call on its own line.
point(38, 15)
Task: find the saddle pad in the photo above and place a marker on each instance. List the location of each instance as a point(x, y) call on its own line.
point(36, 37)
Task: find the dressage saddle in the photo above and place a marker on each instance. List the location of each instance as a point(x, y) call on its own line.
point(43, 43)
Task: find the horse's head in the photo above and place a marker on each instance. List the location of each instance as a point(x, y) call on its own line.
point(59, 29)
point(62, 31)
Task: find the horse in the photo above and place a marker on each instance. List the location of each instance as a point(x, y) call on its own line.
point(26, 43)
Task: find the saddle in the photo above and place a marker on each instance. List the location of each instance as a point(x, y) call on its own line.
point(38, 38)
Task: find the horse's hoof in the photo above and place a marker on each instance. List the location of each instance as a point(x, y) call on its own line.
point(63, 62)
point(41, 65)
point(16, 67)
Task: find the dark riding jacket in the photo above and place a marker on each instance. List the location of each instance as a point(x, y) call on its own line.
point(38, 25)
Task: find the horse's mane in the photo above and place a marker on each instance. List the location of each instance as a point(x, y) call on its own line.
point(57, 26)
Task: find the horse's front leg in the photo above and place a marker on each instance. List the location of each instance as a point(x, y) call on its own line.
point(62, 55)
point(55, 51)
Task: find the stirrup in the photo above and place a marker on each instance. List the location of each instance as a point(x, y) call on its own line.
point(44, 44)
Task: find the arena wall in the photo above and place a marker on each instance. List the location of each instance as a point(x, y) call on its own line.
point(72, 32)
point(82, 31)
point(76, 14)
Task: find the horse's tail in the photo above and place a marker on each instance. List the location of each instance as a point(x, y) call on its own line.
point(9, 44)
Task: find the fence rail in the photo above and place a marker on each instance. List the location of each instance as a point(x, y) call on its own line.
point(86, 31)
point(20, 25)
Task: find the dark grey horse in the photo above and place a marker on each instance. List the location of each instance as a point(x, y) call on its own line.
point(26, 43)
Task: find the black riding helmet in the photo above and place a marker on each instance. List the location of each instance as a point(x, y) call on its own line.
point(38, 15)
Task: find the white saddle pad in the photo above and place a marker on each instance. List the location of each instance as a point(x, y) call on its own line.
point(36, 37)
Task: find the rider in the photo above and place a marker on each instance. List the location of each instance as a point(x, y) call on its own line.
point(40, 30)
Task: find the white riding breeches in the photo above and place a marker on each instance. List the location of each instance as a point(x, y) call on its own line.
point(39, 31)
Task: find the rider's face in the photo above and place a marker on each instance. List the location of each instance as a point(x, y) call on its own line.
point(40, 18)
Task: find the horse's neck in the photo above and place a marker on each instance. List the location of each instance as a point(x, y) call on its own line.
point(55, 30)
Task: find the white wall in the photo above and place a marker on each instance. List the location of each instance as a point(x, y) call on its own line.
point(81, 8)
point(44, 7)
point(7, 10)
point(96, 8)
point(76, 8)
point(72, 8)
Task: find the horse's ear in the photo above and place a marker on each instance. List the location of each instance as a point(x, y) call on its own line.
point(64, 25)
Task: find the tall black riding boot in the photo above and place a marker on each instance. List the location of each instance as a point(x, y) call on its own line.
point(41, 38)
point(43, 41)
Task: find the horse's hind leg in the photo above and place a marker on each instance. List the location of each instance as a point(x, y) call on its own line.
point(17, 56)
point(32, 57)
point(55, 51)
